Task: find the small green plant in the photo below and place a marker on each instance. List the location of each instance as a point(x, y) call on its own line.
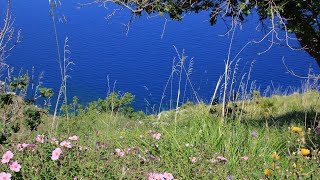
point(46, 93)
point(138, 115)
point(256, 95)
point(267, 106)
point(119, 103)
point(6, 99)
point(10, 110)
point(187, 105)
point(114, 103)
point(20, 83)
point(33, 117)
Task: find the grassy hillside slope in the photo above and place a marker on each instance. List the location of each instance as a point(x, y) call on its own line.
point(266, 138)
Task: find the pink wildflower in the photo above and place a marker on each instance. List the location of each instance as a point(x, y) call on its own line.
point(5, 176)
point(168, 176)
point(156, 135)
point(142, 159)
point(15, 166)
point(119, 152)
point(193, 159)
point(229, 177)
point(32, 147)
point(20, 147)
point(40, 138)
point(54, 141)
point(24, 145)
point(83, 148)
point(254, 134)
point(245, 158)
point(213, 160)
point(221, 158)
point(66, 144)
point(128, 151)
point(6, 157)
point(151, 157)
point(74, 138)
point(56, 154)
point(155, 176)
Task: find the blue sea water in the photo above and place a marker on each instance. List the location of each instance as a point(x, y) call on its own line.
point(140, 61)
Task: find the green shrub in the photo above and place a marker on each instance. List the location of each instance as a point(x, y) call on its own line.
point(33, 117)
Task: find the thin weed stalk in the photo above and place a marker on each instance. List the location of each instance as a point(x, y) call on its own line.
point(181, 63)
point(63, 65)
point(59, 61)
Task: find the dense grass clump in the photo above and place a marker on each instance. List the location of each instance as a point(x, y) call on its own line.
point(267, 138)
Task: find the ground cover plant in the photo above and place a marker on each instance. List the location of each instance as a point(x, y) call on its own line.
point(278, 142)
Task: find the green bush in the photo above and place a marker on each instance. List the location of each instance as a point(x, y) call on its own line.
point(116, 103)
point(33, 117)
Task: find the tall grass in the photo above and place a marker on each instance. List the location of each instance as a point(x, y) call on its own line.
point(64, 63)
point(191, 148)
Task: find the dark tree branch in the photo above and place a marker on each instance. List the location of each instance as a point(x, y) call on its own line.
point(7, 35)
point(6, 23)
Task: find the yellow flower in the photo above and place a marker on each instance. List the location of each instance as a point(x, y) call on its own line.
point(275, 156)
point(296, 129)
point(300, 168)
point(305, 151)
point(267, 172)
